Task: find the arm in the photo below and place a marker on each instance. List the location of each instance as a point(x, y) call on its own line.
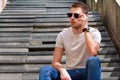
point(57, 58)
point(56, 63)
point(92, 46)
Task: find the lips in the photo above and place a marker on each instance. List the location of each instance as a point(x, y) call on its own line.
point(72, 22)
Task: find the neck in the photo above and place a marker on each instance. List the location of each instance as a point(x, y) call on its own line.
point(77, 30)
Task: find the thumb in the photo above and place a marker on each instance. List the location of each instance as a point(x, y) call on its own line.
point(85, 17)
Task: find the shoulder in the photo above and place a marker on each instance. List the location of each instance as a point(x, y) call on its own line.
point(94, 30)
point(65, 31)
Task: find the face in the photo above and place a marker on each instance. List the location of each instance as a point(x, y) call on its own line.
point(77, 18)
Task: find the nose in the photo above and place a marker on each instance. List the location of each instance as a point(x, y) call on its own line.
point(72, 17)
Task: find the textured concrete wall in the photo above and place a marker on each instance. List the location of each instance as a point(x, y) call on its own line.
point(110, 13)
point(2, 4)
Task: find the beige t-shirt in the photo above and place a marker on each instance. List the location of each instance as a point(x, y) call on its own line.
point(75, 47)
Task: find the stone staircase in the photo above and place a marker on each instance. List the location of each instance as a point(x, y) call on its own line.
point(28, 30)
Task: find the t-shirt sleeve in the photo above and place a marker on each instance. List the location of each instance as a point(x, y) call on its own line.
point(96, 36)
point(59, 41)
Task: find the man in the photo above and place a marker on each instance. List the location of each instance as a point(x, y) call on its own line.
point(81, 44)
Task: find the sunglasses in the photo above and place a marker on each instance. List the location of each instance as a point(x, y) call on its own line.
point(76, 15)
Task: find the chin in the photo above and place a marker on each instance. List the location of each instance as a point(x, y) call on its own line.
point(76, 27)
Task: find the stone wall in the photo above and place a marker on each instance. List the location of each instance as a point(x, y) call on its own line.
point(2, 4)
point(110, 13)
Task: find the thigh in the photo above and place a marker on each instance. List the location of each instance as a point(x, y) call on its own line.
point(78, 74)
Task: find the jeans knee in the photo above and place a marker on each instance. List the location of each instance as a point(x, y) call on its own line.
point(93, 61)
point(44, 69)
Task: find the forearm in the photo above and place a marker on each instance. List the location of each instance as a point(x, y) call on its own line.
point(63, 72)
point(92, 46)
point(57, 59)
point(58, 66)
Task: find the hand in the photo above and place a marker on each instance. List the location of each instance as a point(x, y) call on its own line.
point(64, 75)
point(84, 20)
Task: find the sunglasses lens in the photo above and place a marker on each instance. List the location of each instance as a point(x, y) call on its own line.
point(76, 15)
point(69, 15)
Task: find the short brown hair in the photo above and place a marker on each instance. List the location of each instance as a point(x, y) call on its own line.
point(83, 6)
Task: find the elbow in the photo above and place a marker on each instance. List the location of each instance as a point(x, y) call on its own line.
point(93, 52)
point(53, 64)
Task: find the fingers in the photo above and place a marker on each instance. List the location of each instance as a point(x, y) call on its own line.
point(84, 17)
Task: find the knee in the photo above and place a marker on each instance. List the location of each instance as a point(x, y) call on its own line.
point(93, 61)
point(44, 69)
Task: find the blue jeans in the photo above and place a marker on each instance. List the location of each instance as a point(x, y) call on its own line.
point(92, 71)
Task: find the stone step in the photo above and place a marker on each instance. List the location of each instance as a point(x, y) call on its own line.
point(23, 11)
point(44, 24)
point(23, 59)
point(52, 38)
point(35, 47)
point(109, 69)
point(17, 65)
point(111, 74)
point(107, 50)
point(61, 0)
point(16, 25)
point(25, 8)
point(41, 50)
point(37, 33)
point(14, 39)
point(33, 11)
point(32, 67)
point(45, 1)
point(43, 16)
point(17, 17)
point(63, 15)
point(49, 40)
point(57, 30)
point(35, 69)
point(10, 33)
point(14, 50)
point(66, 24)
point(25, 4)
point(110, 78)
point(34, 76)
point(41, 13)
point(16, 21)
point(103, 51)
point(14, 45)
point(50, 44)
point(36, 44)
point(43, 20)
point(23, 31)
point(42, 4)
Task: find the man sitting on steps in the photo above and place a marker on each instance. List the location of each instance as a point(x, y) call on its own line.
point(81, 44)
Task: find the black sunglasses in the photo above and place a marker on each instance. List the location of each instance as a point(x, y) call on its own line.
point(76, 15)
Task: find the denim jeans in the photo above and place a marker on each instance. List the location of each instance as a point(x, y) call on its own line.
point(92, 71)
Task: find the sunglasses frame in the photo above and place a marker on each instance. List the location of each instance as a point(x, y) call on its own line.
point(76, 15)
